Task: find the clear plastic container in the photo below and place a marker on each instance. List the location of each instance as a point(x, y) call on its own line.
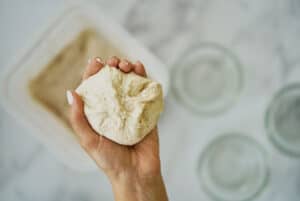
point(233, 168)
point(207, 78)
point(43, 124)
point(282, 120)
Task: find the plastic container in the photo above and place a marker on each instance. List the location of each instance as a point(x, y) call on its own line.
point(233, 168)
point(207, 79)
point(43, 124)
point(282, 120)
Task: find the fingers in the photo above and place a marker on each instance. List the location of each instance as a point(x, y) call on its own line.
point(87, 137)
point(113, 61)
point(139, 69)
point(93, 66)
point(125, 66)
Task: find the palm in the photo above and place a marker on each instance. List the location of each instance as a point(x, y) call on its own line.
point(141, 158)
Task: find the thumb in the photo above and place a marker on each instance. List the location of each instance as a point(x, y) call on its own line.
point(88, 138)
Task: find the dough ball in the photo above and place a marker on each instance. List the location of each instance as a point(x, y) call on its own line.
point(122, 107)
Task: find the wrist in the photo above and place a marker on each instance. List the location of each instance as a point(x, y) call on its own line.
point(132, 187)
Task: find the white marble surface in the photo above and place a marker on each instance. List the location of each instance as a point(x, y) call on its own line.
point(264, 35)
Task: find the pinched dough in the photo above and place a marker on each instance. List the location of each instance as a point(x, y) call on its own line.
point(122, 107)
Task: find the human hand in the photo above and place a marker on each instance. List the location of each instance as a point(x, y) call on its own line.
point(134, 171)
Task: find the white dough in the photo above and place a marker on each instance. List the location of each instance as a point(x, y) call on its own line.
point(122, 107)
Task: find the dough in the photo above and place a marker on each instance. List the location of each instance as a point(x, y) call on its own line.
point(122, 107)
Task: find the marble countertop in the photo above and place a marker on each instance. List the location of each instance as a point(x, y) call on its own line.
point(263, 34)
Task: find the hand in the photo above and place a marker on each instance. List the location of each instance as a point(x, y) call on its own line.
point(134, 171)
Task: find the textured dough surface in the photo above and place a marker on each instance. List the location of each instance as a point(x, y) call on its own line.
point(122, 107)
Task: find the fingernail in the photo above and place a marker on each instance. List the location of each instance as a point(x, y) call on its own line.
point(69, 97)
point(99, 60)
